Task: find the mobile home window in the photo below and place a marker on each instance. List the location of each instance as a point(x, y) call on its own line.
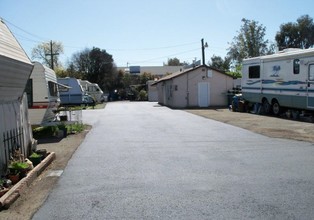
point(53, 88)
point(311, 72)
point(296, 66)
point(29, 92)
point(254, 72)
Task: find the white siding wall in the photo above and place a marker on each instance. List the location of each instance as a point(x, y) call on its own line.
point(218, 92)
point(182, 91)
point(15, 130)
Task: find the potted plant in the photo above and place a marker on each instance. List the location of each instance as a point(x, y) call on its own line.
point(3, 187)
point(13, 175)
point(35, 158)
point(18, 168)
point(42, 152)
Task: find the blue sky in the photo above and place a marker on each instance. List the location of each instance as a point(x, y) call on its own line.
point(144, 32)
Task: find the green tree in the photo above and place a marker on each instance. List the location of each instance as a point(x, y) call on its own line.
point(219, 63)
point(71, 71)
point(80, 61)
point(249, 42)
point(296, 35)
point(101, 69)
point(60, 72)
point(235, 72)
point(145, 77)
point(174, 62)
point(96, 66)
point(43, 50)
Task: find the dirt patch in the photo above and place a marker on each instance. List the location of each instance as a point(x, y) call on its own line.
point(266, 125)
point(34, 196)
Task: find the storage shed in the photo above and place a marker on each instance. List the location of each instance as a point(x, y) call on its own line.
point(200, 86)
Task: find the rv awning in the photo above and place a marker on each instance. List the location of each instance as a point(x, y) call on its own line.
point(63, 86)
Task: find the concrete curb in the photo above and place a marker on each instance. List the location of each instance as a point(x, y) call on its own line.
point(9, 198)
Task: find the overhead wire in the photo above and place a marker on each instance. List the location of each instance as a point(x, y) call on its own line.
point(152, 48)
point(21, 29)
point(171, 55)
point(43, 39)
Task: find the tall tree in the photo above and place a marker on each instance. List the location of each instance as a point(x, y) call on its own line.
point(80, 61)
point(296, 35)
point(219, 63)
point(96, 66)
point(43, 51)
point(249, 42)
point(100, 68)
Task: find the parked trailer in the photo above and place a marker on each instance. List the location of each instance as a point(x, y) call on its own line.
point(281, 80)
point(73, 94)
point(93, 90)
point(43, 95)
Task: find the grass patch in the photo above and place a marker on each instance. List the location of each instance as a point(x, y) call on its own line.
point(52, 131)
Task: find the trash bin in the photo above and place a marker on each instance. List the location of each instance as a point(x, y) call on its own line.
point(235, 103)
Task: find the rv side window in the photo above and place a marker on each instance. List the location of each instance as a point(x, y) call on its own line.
point(29, 92)
point(254, 72)
point(311, 72)
point(53, 88)
point(296, 66)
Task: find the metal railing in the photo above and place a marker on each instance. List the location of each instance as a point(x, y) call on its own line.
point(12, 141)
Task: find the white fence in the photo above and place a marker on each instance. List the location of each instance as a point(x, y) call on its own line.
point(72, 116)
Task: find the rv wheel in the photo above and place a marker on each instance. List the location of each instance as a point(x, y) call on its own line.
point(276, 108)
point(266, 106)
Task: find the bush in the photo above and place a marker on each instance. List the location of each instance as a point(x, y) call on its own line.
point(77, 127)
point(43, 132)
point(50, 131)
point(142, 96)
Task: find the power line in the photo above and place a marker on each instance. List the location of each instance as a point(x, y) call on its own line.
point(152, 48)
point(26, 38)
point(42, 38)
point(171, 55)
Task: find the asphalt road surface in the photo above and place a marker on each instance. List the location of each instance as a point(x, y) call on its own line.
point(144, 161)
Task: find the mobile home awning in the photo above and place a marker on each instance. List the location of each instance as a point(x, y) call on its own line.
point(62, 86)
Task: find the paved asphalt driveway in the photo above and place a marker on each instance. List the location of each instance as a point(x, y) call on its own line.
point(144, 161)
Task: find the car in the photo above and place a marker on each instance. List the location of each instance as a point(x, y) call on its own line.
point(88, 100)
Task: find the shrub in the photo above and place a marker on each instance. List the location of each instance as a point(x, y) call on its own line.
point(142, 96)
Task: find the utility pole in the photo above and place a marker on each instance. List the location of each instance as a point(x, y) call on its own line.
point(203, 51)
point(51, 54)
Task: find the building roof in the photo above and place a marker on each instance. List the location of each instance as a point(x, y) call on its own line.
point(9, 46)
point(284, 54)
point(179, 73)
point(154, 70)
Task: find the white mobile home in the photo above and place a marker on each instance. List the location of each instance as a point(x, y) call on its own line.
point(284, 79)
point(43, 95)
point(201, 86)
point(15, 69)
point(93, 90)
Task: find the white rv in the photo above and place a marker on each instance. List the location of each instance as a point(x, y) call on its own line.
point(43, 95)
point(93, 90)
point(281, 80)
